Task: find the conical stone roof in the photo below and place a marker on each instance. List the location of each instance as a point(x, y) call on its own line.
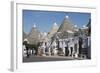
point(53, 30)
point(34, 35)
point(66, 29)
point(24, 35)
point(66, 25)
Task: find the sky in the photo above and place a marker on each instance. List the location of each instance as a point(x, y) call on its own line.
point(44, 20)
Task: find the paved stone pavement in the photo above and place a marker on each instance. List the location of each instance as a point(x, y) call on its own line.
point(47, 58)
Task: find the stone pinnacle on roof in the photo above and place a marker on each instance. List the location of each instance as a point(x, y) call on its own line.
point(84, 26)
point(55, 24)
point(75, 26)
point(67, 16)
point(34, 26)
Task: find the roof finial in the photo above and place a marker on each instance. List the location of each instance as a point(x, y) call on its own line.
point(67, 16)
point(75, 25)
point(34, 26)
point(84, 26)
point(55, 24)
